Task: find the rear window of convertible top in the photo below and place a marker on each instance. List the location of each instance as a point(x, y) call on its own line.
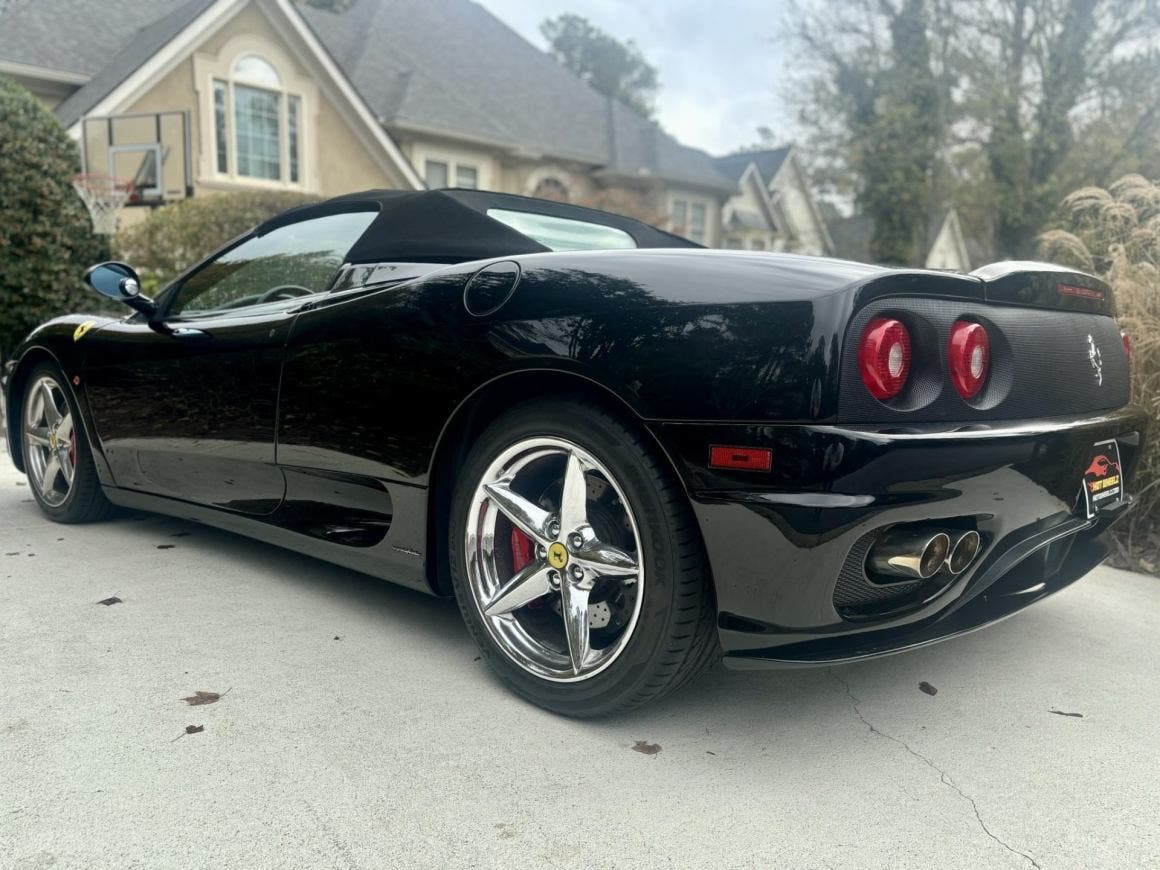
point(563, 234)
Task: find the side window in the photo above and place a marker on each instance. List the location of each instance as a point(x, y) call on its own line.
point(294, 260)
point(563, 234)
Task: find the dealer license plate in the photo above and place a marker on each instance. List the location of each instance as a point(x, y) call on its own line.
point(1103, 482)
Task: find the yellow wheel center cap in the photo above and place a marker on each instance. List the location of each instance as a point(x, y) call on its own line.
point(52, 440)
point(557, 556)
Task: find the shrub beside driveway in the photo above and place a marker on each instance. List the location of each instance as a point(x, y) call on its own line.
point(1115, 233)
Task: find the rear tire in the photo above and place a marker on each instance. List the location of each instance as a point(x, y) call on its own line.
point(624, 559)
point(57, 456)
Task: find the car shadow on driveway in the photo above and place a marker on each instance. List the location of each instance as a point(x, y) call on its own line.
point(721, 699)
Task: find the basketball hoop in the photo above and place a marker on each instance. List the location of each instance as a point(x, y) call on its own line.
point(103, 196)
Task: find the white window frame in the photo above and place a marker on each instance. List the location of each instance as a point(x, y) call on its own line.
point(453, 164)
point(689, 201)
point(480, 162)
point(209, 69)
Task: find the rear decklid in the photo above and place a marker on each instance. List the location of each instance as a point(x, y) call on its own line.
point(1055, 347)
point(1045, 285)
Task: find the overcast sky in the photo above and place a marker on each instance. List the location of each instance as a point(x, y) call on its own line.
point(719, 61)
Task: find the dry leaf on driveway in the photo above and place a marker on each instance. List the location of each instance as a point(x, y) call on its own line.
point(199, 698)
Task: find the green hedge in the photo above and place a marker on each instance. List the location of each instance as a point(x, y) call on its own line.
point(46, 236)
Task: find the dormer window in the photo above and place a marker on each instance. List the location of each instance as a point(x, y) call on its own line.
point(257, 123)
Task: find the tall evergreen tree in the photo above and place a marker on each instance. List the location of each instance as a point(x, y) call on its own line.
point(876, 104)
point(615, 69)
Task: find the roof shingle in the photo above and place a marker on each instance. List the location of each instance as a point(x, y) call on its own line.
point(768, 163)
point(440, 66)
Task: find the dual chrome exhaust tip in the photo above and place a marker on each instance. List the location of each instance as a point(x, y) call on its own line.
point(919, 554)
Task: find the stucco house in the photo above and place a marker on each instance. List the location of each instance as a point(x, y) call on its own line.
point(772, 208)
point(189, 97)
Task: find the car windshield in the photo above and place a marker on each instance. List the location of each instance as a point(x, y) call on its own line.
point(563, 234)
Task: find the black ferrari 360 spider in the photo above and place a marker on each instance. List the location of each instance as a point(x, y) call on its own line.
point(623, 454)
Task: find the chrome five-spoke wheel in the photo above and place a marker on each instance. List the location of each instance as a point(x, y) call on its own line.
point(554, 559)
point(50, 444)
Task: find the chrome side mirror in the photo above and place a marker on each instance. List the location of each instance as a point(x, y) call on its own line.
point(118, 281)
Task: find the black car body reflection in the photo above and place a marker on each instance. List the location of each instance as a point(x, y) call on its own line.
point(331, 420)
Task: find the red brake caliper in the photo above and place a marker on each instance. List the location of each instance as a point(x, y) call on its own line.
point(523, 550)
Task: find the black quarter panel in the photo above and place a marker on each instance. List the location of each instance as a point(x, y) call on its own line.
point(371, 380)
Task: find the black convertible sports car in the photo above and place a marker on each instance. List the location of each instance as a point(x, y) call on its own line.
point(623, 454)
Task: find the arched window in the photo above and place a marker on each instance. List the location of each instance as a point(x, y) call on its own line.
point(257, 124)
point(551, 188)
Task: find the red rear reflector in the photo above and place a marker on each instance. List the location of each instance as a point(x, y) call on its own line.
point(1080, 292)
point(969, 356)
point(745, 458)
point(884, 357)
point(1127, 340)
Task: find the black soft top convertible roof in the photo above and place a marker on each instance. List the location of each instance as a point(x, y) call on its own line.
point(452, 226)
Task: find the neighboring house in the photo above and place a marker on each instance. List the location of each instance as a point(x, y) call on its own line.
point(945, 245)
point(188, 97)
point(773, 208)
point(473, 104)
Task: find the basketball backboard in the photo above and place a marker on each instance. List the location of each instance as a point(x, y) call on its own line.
point(149, 149)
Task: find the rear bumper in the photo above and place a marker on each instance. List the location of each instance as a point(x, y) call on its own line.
point(787, 548)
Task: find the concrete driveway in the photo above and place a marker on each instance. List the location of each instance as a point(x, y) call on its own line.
point(357, 729)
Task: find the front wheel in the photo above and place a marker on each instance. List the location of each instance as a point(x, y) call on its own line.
point(576, 562)
point(57, 457)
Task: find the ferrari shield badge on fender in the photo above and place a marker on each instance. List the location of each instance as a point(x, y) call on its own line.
point(80, 331)
point(1103, 482)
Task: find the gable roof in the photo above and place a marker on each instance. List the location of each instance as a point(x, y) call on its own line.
point(135, 58)
point(451, 67)
point(138, 48)
point(771, 219)
point(79, 36)
point(768, 163)
point(639, 148)
point(437, 66)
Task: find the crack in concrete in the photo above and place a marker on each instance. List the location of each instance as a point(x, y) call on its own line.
point(944, 778)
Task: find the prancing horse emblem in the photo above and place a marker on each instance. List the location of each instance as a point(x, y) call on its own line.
point(1096, 359)
point(558, 556)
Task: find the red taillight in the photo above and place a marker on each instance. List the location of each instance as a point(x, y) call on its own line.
point(969, 356)
point(1127, 340)
point(742, 458)
point(884, 357)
